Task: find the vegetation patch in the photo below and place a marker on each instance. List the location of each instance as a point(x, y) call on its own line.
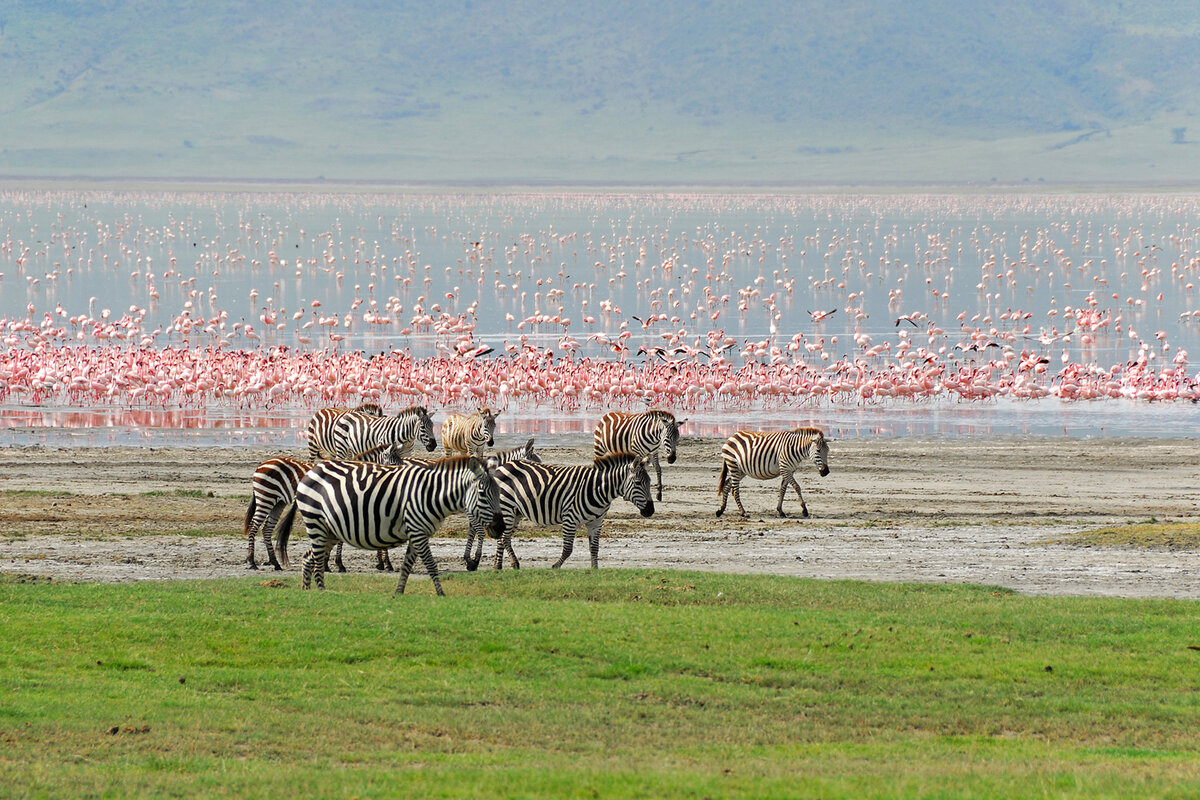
point(1149, 534)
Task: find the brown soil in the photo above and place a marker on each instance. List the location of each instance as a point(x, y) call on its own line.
point(923, 510)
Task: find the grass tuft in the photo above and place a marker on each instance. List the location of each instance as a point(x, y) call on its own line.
point(1150, 534)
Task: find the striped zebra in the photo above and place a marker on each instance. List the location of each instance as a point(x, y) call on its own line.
point(374, 507)
point(770, 455)
point(469, 433)
point(356, 436)
point(272, 504)
point(569, 496)
point(644, 434)
point(320, 428)
point(524, 452)
point(273, 491)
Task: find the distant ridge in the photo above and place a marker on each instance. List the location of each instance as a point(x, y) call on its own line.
point(761, 93)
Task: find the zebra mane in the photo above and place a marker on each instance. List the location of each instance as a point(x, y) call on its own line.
point(413, 410)
point(615, 459)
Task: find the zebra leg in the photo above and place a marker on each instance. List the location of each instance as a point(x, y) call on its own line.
point(657, 473)
point(410, 559)
point(568, 543)
point(306, 568)
point(250, 528)
point(593, 529)
point(430, 564)
point(735, 486)
point(473, 538)
point(313, 563)
point(269, 526)
point(383, 561)
point(791, 476)
point(507, 545)
point(724, 498)
point(337, 560)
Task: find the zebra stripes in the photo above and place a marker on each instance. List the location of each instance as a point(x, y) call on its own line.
point(469, 433)
point(373, 507)
point(356, 436)
point(577, 496)
point(320, 428)
point(643, 434)
point(770, 455)
point(272, 507)
point(273, 489)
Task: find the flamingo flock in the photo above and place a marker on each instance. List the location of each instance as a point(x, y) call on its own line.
point(717, 302)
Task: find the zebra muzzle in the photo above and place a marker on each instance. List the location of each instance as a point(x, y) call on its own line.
point(823, 471)
point(648, 511)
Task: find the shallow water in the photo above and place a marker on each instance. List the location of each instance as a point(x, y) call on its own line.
point(33, 427)
point(1099, 280)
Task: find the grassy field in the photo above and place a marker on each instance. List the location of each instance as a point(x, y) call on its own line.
point(592, 684)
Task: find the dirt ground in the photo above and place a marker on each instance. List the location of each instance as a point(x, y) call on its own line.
point(910, 509)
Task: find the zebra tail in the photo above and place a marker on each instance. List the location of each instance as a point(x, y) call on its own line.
point(283, 532)
point(721, 480)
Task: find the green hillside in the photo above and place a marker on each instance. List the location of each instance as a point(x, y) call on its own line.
point(772, 91)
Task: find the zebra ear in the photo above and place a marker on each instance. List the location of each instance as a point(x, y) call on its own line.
point(679, 424)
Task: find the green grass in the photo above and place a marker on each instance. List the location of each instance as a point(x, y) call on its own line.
point(584, 684)
point(1150, 534)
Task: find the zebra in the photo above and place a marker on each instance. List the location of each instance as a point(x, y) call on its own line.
point(770, 455)
point(644, 433)
point(469, 433)
point(356, 435)
point(373, 507)
point(273, 491)
point(272, 504)
point(320, 428)
point(521, 453)
point(568, 496)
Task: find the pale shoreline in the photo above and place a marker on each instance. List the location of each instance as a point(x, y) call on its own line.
point(920, 509)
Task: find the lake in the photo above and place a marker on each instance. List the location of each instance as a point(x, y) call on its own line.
point(869, 314)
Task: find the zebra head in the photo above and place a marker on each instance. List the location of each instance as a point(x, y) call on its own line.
point(425, 429)
point(483, 498)
point(670, 436)
point(820, 455)
point(635, 485)
point(489, 424)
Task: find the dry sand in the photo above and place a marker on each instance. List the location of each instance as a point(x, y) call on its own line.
point(911, 509)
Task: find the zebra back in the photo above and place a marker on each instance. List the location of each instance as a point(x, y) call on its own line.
point(321, 427)
point(356, 436)
point(643, 433)
point(374, 506)
point(469, 433)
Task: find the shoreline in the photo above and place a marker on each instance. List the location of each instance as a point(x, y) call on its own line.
point(925, 510)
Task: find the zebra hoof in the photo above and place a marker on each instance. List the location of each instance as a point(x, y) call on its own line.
point(804, 513)
point(251, 565)
point(472, 566)
point(720, 511)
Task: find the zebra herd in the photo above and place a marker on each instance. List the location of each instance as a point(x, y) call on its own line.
point(362, 487)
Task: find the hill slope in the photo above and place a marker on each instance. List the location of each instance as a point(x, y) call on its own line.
point(773, 91)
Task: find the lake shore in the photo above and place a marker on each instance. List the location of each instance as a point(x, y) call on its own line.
point(967, 510)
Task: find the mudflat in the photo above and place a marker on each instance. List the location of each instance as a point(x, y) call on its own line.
point(974, 510)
